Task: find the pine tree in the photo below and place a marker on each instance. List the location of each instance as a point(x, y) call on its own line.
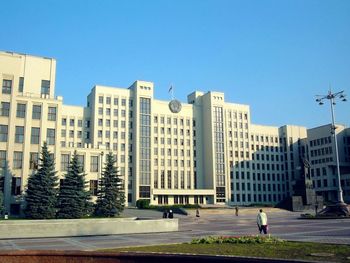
point(73, 199)
point(2, 182)
point(110, 199)
point(1, 202)
point(41, 194)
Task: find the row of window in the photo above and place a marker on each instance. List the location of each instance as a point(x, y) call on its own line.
point(257, 197)
point(115, 123)
point(321, 141)
point(72, 123)
point(108, 100)
point(7, 86)
point(175, 131)
point(115, 112)
point(258, 176)
point(240, 115)
point(34, 137)
point(176, 141)
point(262, 138)
point(175, 121)
point(177, 152)
point(21, 111)
point(321, 151)
point(175, 162)
point(258, 187)
point(323, 160)
point(171, 180)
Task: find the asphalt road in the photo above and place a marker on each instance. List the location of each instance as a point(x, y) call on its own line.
point(283, 224)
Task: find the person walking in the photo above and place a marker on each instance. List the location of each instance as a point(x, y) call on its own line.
point(261, 220)
point(236, 208)
point(197, 212)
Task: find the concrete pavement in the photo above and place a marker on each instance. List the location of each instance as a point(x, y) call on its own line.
point(283, 224)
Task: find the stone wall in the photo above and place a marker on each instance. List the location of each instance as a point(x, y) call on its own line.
point(84, 227)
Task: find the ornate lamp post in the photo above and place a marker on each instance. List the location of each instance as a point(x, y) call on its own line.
point(332, 99)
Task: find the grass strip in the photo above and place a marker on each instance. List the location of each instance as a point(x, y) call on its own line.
point(283, 250)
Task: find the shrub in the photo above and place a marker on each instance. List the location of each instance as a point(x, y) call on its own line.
point(143, 203)
point(236, 240)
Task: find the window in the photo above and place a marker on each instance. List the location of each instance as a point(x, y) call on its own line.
point(45, 87)
point(80, 123)
point(2, 159)
point(81, 162)
point(20, 84)
point(52, 114)
point(100, 99)
point(108, 100)
point(34, 139)
point(94, 164)
point(21, 110)
point(64, 162)
point(16, 186)
point(71, 122)
point(3, 133)
point(36, 114)
point(19, 136)
point(5, 109)
point(6, 86)
point(33, 160)
point(17, 160)
point(50, 138)
point(93, 187)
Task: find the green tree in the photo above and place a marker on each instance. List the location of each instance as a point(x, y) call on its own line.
point(1, 202)
point(73, 199)
point(2, 183)
point(41, 194)
point(110, 197)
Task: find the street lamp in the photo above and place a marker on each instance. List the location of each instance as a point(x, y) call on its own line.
point(332, 98)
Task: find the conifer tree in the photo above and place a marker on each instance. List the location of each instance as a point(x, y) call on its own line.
point(110, 197)
point(41, 194)
point(2, 182)
point(1, 202)
point(73, 199)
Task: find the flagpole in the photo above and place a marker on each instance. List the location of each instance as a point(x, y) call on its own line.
point(171, 90)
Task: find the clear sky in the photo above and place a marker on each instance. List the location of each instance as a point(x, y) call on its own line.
point(273, 55)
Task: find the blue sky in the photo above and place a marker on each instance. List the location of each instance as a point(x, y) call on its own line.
point(273, 55)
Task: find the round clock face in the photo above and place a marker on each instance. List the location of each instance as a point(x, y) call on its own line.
point(175, 106)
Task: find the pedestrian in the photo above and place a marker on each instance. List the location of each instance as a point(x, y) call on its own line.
point(197, 212)
point(165, 213)
point(261, 220)
point(236, 208)
point(171, 214)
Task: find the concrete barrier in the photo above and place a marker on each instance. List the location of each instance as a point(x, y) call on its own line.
point(84, 227)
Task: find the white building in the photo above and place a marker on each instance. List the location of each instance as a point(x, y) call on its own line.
point(323, 161)
point(202, 151)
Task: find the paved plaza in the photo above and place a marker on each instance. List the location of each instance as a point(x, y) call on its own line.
point(283, 224)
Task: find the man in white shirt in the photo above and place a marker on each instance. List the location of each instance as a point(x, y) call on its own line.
point(261, 220)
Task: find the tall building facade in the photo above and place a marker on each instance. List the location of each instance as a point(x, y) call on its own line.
point(205, 151)
point(323, 160)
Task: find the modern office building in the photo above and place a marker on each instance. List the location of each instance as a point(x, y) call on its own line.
point(323, 160)
point(205, 151)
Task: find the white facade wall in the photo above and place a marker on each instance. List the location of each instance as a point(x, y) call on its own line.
point(209, 152)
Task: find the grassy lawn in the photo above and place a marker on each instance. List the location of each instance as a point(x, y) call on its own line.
point(285, 250)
